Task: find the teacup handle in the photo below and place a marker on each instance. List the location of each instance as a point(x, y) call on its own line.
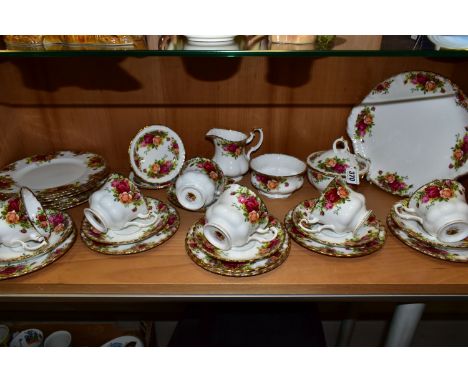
point(336, 150)
point(250, 138)
point(142, 225)
point(316, 229)
point(408, 215)
point(27, 247)
point(259, 235)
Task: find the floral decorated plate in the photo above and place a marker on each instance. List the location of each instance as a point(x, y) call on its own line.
point(330, 250)
point(415, 230)
point(53, 175)
point(250, 252)
point(443, 253)
point(413, 128)
point(69, 202)
point(147, 186)
point(61, 225)
point(32, 264)
point(131, 234)
point(157, 154)
point(173, 222)
point(365, 234)
point(236, 269)
point(449, 42)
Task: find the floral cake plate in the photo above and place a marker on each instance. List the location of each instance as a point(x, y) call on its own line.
point(61, 225)
point(32, 264)
point(173, 222)
point(147, 186)
point(131, 234)
point(413, 128)
point(250, 252)
point(330, 250)
point(236, 269)
point(416, 231)
point(369, 231)
point(443, 253)
point(157, 154)
point(53, 175)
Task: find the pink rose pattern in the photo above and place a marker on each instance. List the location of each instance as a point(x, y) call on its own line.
point(333, 197)
point(461, 100)
point(393, 182)
point(40, 158)
point(382, 88)
point(42, 219)
point(231, 149)
point(5, 182)
point(318, 177)
point(152, 140)
point(125, 192)
point(364, 122)
point(269, 183)
point(209, 168)
point(437, 191)
point(252, 207)
point(57, 222)
point(335, 165)
point(460, 151)
point(160, 168)
point(95, 162)
point(425, 82)
point(12, 212)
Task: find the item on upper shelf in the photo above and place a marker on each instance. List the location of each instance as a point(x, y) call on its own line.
point(157, 154)
point(160, 237)
point(79, 39)
point(194, 39)
point(60, 338)
point(293, 39)
point(238, 217)
point(324, 166)
point(199, 184)
point(440, 207)
point(114, 40)
point(57, 179)
point(27, 338)
point(4, 335)
point(117, 205)
point(449, 42)
point(277, 176)
point(23, 39)
point(230, 150)
point(413, 128)
point(145, 185)
point(124, 341)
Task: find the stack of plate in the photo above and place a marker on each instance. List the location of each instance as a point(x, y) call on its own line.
point(16, 262)
point(60, 180)
point(134, 239)
point(369, 238)
point(141, 183)
point(414, 235)
point(254, 258)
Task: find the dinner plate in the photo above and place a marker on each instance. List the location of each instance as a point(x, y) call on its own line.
point(53, 175)
point(413, 128)
point(449, 42)
point(157, 154)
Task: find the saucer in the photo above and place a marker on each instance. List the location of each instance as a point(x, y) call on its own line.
point(35, 263)
point(368, 232)
point(157, 239)
point(415, 230)
point(237, 269)
point(61, 228)
point(156, 154)
point(330, 250)
point(250, 252)
point(450, 254)
point(140, 183)
point(130, 234)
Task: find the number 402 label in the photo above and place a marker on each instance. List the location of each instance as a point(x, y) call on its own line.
point(352, 176)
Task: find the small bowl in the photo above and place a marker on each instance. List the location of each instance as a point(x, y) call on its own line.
point(277, 176)
point(27, 338)
point(124, 341)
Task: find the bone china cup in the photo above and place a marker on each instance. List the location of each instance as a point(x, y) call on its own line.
point(36, 213)
point(238, 217)
point(116, 205)
point(277, 175)
point(339, 209)
point(440, 207)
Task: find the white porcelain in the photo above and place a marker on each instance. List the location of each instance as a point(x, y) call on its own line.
point(230, 152)
point(156, 154)
point(27, 338)
point(440, 207)
point(124, 341)
point(117, 205)
point(16, 230)
point(238, 217)
point(413, 129)
point(36, 213)
point(60, 338)
point(339, 210)
point(210, 38)
point(449, 42)
point(4, 335)
point(200, 182)
point(277, 175)
point(319, 180)
point(211, 45)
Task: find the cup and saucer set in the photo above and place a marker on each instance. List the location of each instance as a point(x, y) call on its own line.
point(31, 236)
point(434, 220)
point(337, 223)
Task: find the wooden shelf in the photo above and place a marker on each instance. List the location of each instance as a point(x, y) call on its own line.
point(167, 270)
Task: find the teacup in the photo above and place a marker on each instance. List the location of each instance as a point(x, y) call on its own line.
point(27, 338)
point(16, 228)
point(200, 181)
point(117, 204)
point(440, 207)
point(60, 338)
point(339, 209)
point(238, 217)
point(36, 213)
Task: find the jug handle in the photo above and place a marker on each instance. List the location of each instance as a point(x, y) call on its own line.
point(252, 40)
point(257, 146)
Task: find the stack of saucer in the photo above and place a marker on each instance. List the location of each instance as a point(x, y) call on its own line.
point(237, 237)
point(60, 180)
point(434, 221)
point(121, 221)
point(31, 237)
point(336, 224)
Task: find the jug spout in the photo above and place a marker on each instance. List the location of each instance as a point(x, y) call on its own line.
point(227, 135)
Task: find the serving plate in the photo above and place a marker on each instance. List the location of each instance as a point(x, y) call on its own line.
point(413, 128)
